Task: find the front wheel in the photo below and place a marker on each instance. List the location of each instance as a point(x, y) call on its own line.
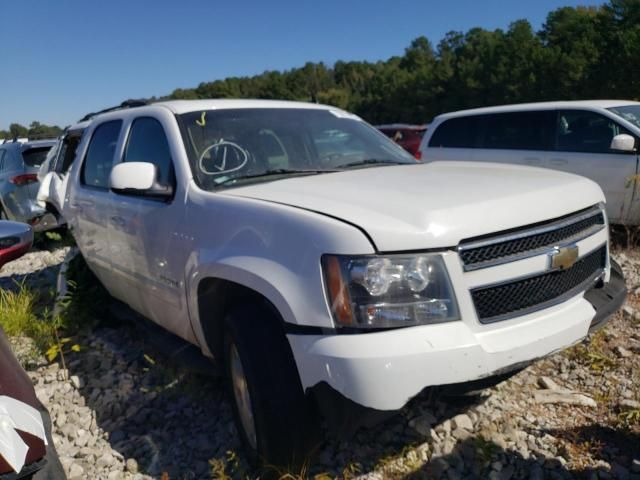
point(276, 422)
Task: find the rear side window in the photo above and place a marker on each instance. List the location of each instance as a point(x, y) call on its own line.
point(148, 143)
point(519, 131)
point(2, 155)
point(99, 159)
point(462, 132)
point(584, 131)
point(33, 157)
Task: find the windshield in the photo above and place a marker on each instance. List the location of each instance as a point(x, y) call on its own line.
point(631, 113)
point(237, 146)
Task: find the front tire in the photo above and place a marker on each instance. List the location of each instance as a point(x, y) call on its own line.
point(277, 424)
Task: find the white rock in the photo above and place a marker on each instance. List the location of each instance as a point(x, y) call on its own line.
point(462, 421)
point(564, 396)
point(75, 380)
point(548, 383)
point(76, 471)
point(622, 352)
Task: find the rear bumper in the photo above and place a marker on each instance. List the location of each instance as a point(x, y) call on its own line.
point(382, 371)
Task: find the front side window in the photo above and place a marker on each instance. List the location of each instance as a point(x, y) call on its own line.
point(584, 131)
point(233, 147)
point(631, 113)
point(148, 143)
point(99, 159)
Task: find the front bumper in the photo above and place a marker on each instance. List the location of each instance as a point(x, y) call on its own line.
point(607, 298)
point(384, 370)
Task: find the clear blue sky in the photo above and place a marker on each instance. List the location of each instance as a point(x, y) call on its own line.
point(61, 59)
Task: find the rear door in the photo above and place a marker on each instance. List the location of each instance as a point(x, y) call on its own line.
point(523, 138)
point(90, 201)
point(583, 147)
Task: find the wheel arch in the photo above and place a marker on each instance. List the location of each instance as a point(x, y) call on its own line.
point(216, 297)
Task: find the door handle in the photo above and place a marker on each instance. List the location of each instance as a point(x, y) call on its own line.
point(558, 161)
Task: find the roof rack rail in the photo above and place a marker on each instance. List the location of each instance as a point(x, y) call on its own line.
point(131, 103)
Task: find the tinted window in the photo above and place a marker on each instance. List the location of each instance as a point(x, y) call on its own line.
point(582, 131)
point(460, 132)
point(34, 157)
point(99, 158)
point(148, 143)
point(519, 131)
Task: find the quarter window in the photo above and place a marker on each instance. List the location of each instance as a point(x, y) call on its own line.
point(583, 131)
point(2, 154)
point(462, 132)
point(99, 160)
point(148, 143)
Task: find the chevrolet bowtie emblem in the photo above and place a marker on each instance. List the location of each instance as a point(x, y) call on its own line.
point(563, 258)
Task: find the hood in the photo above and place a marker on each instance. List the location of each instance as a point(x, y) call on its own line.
point(434, 205)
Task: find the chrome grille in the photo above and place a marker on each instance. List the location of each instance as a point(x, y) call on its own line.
point(498, 302)
point(529, 241)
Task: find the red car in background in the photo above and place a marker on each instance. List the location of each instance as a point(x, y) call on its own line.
point(407, 136)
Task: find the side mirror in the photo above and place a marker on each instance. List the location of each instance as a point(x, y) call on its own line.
point(15, 240)
point(623, 143)
point(138, 178)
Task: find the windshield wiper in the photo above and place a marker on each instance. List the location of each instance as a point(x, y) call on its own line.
point(372, 161)
point(273, 172)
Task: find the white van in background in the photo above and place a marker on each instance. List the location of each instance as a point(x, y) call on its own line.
point(597, 139)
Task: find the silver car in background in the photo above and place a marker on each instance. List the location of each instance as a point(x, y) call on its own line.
point(19, 165)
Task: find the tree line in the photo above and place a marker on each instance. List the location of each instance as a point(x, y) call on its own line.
point(579, 53)
point(34, 130)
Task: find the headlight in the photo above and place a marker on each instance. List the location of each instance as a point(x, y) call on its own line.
point(389, 291)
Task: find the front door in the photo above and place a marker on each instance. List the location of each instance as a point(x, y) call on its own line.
point(152, 255)
point(583, 147)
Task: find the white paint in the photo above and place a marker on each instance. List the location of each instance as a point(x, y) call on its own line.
point(133, 176)
point(17, 415)
point(613, 171)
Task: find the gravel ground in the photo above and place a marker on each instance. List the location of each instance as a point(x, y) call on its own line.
point(123, 408)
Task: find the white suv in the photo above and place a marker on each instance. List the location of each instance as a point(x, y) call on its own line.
point(594, 138)
point(323, 267)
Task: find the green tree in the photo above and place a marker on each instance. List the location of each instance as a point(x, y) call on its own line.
point(17, 130)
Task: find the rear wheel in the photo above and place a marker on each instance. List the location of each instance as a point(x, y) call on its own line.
point(276, 422)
